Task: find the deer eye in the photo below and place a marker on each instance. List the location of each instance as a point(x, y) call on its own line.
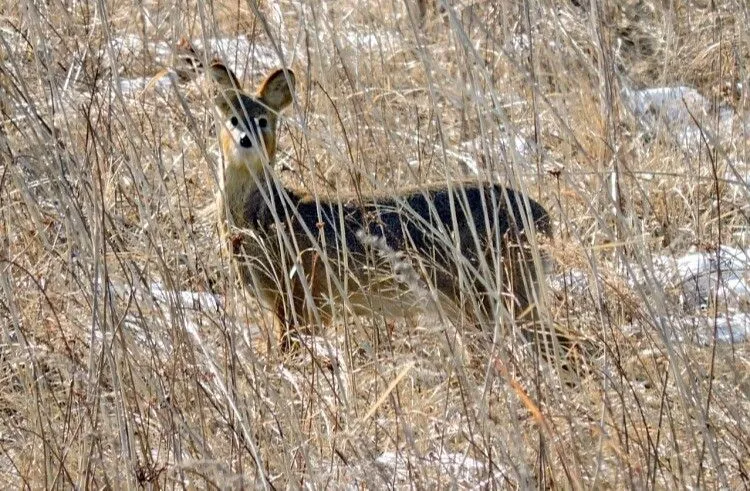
point(262, 122)
point(234, 121)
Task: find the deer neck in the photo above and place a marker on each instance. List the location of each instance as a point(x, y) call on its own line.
point(238, 184)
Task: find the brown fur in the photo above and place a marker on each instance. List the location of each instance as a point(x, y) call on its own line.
point(305, 256)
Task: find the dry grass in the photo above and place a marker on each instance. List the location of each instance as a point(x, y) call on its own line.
point(104, 193)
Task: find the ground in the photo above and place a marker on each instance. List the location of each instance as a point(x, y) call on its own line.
point(131, 356)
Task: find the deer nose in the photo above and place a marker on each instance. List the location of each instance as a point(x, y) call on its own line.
point(245, 142)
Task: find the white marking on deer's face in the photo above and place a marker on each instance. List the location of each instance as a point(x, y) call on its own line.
point(248, 132)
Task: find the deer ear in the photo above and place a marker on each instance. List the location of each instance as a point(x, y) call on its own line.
point(276, 91)
point(223, 77)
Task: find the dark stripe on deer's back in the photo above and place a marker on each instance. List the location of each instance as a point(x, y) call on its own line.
point(420, 218)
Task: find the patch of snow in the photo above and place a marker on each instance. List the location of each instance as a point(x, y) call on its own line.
point(682, 111)
point(128, 86)
point(737, 175)
point(574, 280)
point(519, 43)
point(703, 275)
point(474, 152)
point(186, 299)
point(459, 467)
point(700, 278)
point(129, 43)
point(240, 54)
point(164, 308)
point(370, 42)
point(132, 45)
point(502, 147)
point(244, 57)
point(729, 328)
point(705, 278)
point(321, 348)
point(132, 87)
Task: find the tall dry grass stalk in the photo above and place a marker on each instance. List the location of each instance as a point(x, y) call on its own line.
point(130, 356)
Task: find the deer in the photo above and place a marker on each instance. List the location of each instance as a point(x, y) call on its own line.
point(460, 248)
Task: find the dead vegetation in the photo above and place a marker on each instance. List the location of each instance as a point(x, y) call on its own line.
point(130, 357)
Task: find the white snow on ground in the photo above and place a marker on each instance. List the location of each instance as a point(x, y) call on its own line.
point(733, 328)
point(187, 300)
point(245, 58)
point(737, 175)
point(576, 282)
point(367, 42)
point(706, 283)
point(237, 50)
point(707, 276)
point(474, 151)
point(397, 469)
point(728, 328)
point(682, 111)
point(457, 468)
point(721, 278)
point(161, 309)
point(713, 281)
point(134, 86)
point(132, 45)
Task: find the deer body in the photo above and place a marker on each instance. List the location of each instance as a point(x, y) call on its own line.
point(305, 257)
